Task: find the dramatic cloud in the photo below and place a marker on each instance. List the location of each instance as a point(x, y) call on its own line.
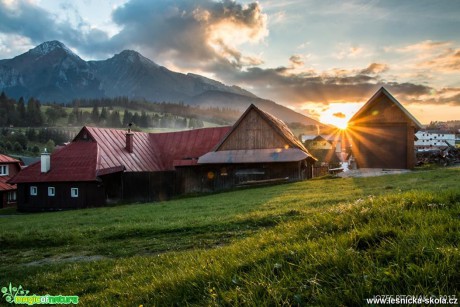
point(288, 86)
point(25, 19)
point(199, 33)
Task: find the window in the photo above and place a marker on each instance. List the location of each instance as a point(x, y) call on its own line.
point(3, 170)
point(74, 192)
point(33, 191)
point(12, 196)
point(51, 191)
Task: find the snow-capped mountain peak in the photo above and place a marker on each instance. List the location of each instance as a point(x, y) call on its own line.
point(47, 47)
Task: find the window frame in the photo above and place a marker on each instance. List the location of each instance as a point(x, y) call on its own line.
point(4, 170)
point(74, 192)
point(33, 190)
point(51, 191)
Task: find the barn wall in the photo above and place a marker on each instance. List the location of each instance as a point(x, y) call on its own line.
point(90, 194)
point(253, 132)
point(380, 146)
point(383, 110)
point(148, 186)
point(209, 178)
point(383, 137)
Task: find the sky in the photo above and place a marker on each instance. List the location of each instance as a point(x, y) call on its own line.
point(322, 58)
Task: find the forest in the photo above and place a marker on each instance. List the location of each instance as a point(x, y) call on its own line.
point(29, 127)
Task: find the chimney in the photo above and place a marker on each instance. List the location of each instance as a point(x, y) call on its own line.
point(129, 139)
point(45, 162)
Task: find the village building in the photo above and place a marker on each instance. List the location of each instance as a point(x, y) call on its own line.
point(9, 167)
point(428, 140)
point(382, 134)
point(102, 166)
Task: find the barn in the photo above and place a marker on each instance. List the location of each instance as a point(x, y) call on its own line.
point(382, 134)
point(102, 166)
point(258, 149)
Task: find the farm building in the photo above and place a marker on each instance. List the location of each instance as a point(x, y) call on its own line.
point(102, 166)
point(258, 148)
point(9, 167)
point(382, 134)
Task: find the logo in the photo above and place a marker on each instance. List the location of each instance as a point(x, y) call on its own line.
point(18, 295)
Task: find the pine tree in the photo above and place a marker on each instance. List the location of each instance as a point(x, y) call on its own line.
point(95, 114)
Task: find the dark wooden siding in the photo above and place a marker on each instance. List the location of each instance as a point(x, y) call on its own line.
point(90, 194)
point(226, 176)
point(253, 133)
point(148, 186)
point(381, 147)
point(383, 137)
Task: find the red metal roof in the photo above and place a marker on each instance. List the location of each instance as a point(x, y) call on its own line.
point(74, 162)
point(186, 145)
point(99, 151)
point(4, 186)
point(6, 159)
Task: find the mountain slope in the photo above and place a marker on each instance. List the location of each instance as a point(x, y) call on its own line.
point(52, 72)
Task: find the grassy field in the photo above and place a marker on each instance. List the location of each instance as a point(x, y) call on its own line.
point(319, 242)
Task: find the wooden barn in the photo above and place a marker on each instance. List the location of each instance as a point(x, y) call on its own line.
point(9, 167)
point(382, 134)
point(102, 166)
point(258, 149)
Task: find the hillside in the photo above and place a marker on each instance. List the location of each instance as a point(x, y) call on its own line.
point(51, 72)
point(319, 242)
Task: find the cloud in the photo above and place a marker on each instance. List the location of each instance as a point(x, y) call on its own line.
point(447, 62)
point(199, 33)
point(296, 61)
point(424, 46)
point(339, 115)
point(290, 86)
point(375, 68)
point(29, 21)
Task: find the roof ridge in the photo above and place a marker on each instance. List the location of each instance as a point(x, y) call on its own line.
point(385, 92)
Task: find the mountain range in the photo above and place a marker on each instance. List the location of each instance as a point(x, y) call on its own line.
point(51, 72)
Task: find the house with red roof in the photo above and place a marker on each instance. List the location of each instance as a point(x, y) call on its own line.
point(102, 166)
point(9, 167)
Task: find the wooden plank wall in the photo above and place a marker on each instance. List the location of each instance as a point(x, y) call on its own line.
point(253, 132)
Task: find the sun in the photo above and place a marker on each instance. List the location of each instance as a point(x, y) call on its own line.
point(338, 114)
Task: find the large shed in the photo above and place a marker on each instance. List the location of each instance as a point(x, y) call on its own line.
point(259, 148)
point(382, 133)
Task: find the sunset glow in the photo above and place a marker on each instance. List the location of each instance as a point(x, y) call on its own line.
point(338, 114)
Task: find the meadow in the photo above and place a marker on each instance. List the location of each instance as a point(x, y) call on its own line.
point(326, 242)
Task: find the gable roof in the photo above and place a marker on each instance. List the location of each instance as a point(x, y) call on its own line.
point(7, 159)
point(100, 151)
point(185, 147)
point(4, 180)
point(278, 126)
point(370, 102)
point(74, 162)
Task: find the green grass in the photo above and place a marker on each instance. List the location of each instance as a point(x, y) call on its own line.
point(321, 242)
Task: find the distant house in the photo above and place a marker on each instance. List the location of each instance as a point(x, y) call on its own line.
point(9, 167)
point(382, 134)
point(428, 140)
point(102, 166)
